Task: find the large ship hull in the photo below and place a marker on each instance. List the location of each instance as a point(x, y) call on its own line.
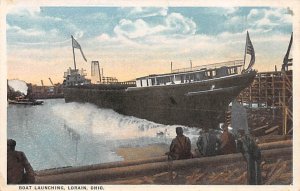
point(197, 104)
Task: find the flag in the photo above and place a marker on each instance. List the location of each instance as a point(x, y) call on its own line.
point(250, 51)
point(288, 61)
point(75, 44)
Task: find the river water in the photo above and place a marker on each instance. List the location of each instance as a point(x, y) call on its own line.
point(59, 134)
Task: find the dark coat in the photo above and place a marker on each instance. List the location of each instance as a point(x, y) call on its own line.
point(19, 170)
point(252, 154)
point(180, 148)
point(228, 144)
point(208, 144)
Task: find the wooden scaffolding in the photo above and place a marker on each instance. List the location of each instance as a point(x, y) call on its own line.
point(272, 91)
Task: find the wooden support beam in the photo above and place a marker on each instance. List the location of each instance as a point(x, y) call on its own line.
point(271, 129)
point(259, 90)
point(273, 91)
point(99, 166)
point(260, 128)
point(263, 146)
point(284, 122)
point(102, 175)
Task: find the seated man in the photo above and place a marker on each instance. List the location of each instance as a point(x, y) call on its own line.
point(228, 144)
point(180, 147)
point(19, 170)
point(208, 143)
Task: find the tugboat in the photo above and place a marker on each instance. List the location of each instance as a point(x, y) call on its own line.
point(21, 100)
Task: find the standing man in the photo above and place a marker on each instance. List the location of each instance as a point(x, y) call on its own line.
point(251, 152)
point(19, 170)
point(180, 147)
point(228, 144)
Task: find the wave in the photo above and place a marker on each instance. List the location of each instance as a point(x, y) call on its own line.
point(87, 118)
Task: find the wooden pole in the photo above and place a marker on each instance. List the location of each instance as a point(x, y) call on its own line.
point(102, 75)
point(259, 90)
point(283, 103)
point(266, 89)
point(99, 72)
point(285, 120)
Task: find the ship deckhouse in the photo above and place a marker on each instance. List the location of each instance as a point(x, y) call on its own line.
point(194, 74)
point(75, 78)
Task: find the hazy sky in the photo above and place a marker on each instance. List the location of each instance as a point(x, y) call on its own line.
point(133, 42)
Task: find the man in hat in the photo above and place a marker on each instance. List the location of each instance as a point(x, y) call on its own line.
point(19, 170)
point(180, 147)
point(228, 144)
point(251, 152)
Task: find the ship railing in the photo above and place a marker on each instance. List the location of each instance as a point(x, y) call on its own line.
point(71, 72)
point(128, 83)
point(109, 86)
point(117, 83)
point(120, 83)
point(210, 66)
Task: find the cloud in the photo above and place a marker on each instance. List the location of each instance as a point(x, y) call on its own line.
point(260, 20)
point(142, 12)
point(36, 37)
point(178, 24)
point(151, 39)
point(174, 24)
point(38, 29)
point(136, 29)
point(22, 10)
point(230, 10)
point(269, 19)
point(31, 25)
point(16, 30)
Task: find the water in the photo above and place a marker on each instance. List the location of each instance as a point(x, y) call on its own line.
point(59, 134)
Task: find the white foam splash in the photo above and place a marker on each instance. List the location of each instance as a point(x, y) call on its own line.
point(18, 85)
point(87, 118)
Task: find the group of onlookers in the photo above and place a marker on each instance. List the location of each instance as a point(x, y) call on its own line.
point(210, 144)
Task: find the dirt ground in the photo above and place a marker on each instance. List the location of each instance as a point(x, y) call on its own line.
point(137, 153)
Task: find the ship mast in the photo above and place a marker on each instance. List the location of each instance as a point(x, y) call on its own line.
point(73, 52)
point(286, 61)
point(99, 72)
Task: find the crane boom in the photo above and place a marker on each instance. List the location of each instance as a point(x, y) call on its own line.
point(51, 81)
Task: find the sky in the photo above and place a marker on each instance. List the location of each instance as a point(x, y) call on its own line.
point(130, 42)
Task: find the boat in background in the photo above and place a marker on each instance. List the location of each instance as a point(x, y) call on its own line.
point(25, 101)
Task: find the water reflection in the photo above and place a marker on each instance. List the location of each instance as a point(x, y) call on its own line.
point(75, 137)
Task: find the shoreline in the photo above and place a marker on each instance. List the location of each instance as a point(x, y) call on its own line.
point(144, 152)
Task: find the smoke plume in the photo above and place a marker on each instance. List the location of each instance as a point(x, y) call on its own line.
point(18, 85)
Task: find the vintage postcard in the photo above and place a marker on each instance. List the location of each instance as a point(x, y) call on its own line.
point(176, 95)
